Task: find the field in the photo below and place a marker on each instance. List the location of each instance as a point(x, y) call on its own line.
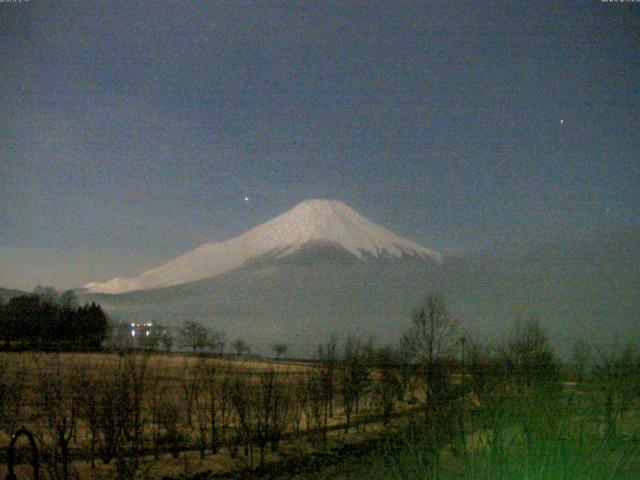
point(150, 415)
point(97, 415)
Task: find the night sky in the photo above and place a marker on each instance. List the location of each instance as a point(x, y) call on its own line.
point(131, 132)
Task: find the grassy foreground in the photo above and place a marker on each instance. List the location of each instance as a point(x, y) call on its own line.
point(501, 413)
point(570, 444)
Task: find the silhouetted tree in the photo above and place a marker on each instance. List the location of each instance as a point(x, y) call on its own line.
point(581, 360)
point(218, 342)
point(279, 349)
point(530, 359)
point(387, 384)
point(166, 339)
point(240, 346)
point(327, 365)
point(51, 322)
point(617, 377)
point(59, 406)
point(353, 376)
point(194, 335)
point(432, 339)
point(533, 378)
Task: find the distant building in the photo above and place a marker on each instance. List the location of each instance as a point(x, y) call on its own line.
point(144, 335)
point(139, 330)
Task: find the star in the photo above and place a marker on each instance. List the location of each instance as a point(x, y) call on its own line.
point(561, 121)
point(246, 199)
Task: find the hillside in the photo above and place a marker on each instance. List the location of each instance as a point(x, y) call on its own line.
point(7, 294)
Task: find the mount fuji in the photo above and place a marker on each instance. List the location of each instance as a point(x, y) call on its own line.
point(322, 269)
point(328, 227)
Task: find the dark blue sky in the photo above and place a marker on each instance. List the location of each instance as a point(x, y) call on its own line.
point(134, 130)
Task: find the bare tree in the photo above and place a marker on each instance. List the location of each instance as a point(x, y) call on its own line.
point(224, 399)
point(432, 339)
point(243, 398)
point(270, 412)
point(617, 376)
point(316, 410)
point(328, 363)
point(160, 409)
point(166, 339)
point(135, 371)
point(211, 374)
point(530, 358)
point(123, 418)
point(387, 385)
point(354, 377)
point(240, 346)
point(533, 376)
point(205, 387)
point(406, 367)
point(59, 407)
point(202, 408)
point(157, 410)
point(581, 360)
point(89, 384)
point(433, 334)
point(279, 349)
point(218, 342)
point(299, 395)
point(487, 386)
point(169, 420)
point(190, 387)
point(194, 335)
point(12, 387)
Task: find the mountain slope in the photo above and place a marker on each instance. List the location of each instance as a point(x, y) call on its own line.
point(580, 289)
point(311, 224)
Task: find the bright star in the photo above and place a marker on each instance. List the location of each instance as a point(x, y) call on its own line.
point(561, 122)
point(246, 199)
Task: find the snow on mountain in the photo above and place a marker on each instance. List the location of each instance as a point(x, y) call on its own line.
point(311, 222)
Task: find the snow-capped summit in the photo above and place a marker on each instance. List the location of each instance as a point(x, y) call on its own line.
point(310, 222)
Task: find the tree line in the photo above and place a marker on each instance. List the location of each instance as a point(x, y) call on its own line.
point(192, 336)
point(47, 320)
